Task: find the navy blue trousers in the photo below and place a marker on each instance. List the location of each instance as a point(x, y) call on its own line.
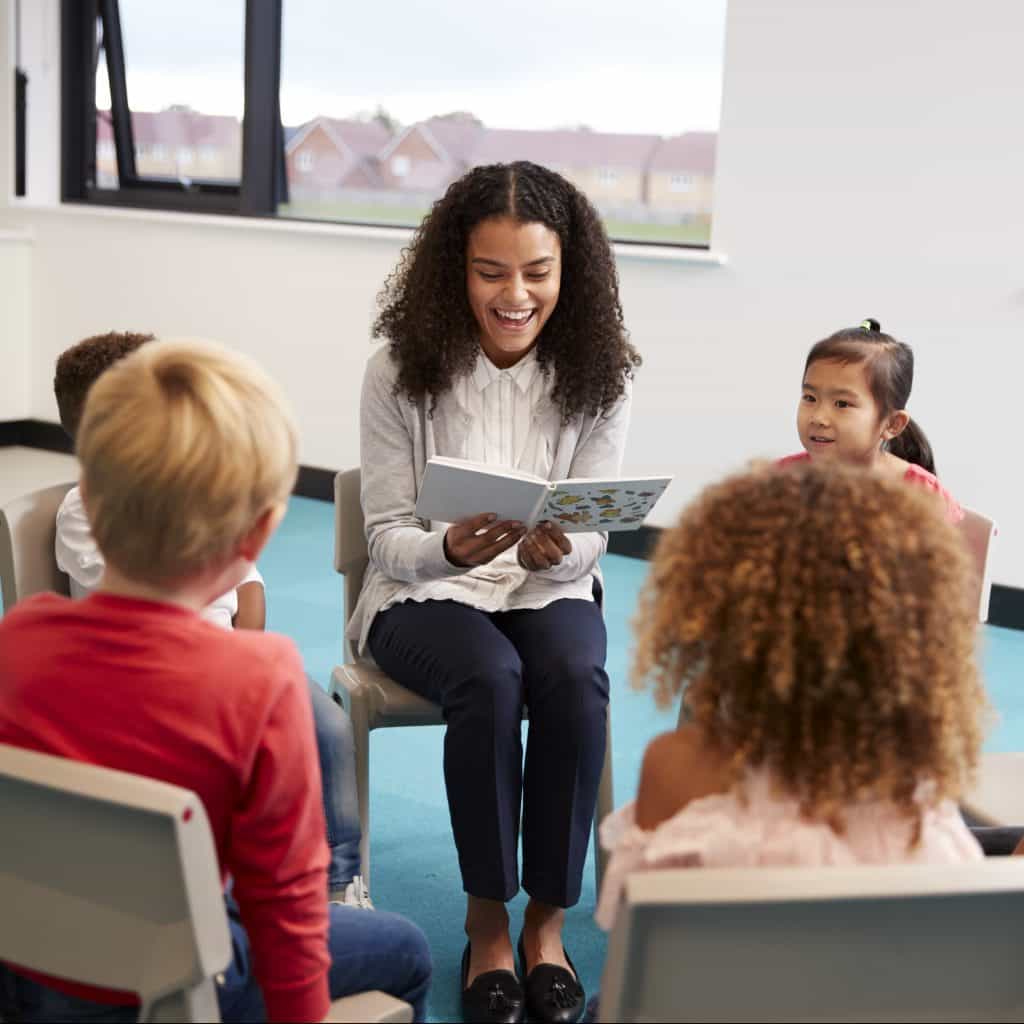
point(482, 668)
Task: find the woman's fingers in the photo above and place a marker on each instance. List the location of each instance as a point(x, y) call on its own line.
point(468, 527)
point(483, 540)
point(470, 541)
point(549, 551)
point(528, 554)
point(539, 550)
point(496, 547)
point(477, 540)
point(557, 534)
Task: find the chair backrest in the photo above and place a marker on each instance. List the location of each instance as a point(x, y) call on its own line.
point(110, 879)
point(350, 553)
point(980, 532)
point(898, 943)
point(27, 530)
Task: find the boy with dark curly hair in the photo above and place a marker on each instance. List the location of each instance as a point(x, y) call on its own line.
point(79, 366)
point(507, 347)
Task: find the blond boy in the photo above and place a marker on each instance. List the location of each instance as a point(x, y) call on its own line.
point(78, 368)
point(193, 448)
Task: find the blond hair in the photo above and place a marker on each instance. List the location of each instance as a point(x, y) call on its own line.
point(183, 446)
point(820, 623)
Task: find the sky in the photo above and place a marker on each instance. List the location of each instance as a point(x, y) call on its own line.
point(613, 65)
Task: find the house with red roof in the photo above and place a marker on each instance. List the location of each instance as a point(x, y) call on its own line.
point(609, 167)
point(174, 143)
point(328, 154)
point(428, 156)
point(681, 173)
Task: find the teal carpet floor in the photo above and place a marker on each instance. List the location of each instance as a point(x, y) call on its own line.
point(414, 865)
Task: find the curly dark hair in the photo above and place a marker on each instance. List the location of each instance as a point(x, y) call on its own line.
point(80, 365)
point(426, 316)
point(820, 622)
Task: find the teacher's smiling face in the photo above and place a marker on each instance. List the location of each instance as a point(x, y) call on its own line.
point(513, 275)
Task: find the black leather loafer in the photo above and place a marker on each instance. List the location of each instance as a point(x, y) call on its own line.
point(553, 994)
point(495, 997)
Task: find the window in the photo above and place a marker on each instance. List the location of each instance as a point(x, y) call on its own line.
point(629, 111)
point(131, 81)
point(629, 102)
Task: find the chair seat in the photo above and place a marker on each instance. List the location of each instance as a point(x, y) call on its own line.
point(997, 797)
point(388, 703)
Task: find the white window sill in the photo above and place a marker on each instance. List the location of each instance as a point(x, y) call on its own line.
point(623, 250)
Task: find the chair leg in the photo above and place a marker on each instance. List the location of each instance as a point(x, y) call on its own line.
point(358, 712)
point(605, 803)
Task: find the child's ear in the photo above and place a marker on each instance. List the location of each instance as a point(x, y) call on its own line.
point(255, 539)
point(895, 424)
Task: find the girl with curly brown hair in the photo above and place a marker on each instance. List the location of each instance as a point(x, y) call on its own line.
point(853, 399)
point(817, 625)
point(506, 346)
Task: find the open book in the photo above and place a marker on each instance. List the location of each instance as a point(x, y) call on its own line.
point(455, 489)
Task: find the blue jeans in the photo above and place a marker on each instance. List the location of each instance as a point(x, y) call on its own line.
point(369, 950)
point(341, 800)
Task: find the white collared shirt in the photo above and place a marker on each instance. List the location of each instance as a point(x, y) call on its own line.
point(501, 404)
point(80, 559)
point(504, 431)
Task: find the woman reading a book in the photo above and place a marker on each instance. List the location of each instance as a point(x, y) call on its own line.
point(505, 346)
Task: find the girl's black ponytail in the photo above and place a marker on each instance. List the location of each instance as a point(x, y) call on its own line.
point(912, 446)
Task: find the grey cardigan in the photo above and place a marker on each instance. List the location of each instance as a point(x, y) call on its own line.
point(397, 437)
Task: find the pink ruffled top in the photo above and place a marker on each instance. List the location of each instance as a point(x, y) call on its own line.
point(719, 831)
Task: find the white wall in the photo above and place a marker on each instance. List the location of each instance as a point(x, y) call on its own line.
point(871, 163)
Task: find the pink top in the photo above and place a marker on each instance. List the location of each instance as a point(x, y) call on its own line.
point(768, 830)
point(914, 475)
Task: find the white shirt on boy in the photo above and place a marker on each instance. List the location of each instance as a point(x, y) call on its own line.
point(80, 559)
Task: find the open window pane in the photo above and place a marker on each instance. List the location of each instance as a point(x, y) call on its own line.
point(106, 153)
point(385, 104)
point(185, 84)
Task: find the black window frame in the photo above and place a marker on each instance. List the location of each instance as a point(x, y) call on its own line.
point(89, 25)
point(263, 179)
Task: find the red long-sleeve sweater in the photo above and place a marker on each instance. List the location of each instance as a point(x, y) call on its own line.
point(153, 689)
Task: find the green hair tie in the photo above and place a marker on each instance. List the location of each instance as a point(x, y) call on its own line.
point(870, 325)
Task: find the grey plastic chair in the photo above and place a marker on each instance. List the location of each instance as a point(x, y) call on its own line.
point(980, 532)
point(28, 526)
point(375, 701)
point(135, 902)
point(897, 943)
point(996, 799)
